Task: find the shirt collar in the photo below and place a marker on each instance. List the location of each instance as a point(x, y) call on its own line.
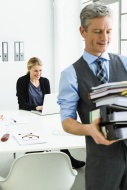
point(89, 58)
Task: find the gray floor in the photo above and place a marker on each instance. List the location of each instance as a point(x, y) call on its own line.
point(79, 183)
point(6, 160)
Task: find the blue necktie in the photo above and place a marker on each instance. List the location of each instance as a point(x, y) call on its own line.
point(101, 74)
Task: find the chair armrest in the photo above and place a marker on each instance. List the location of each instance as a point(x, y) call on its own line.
point(2, 178)
point(75, 172)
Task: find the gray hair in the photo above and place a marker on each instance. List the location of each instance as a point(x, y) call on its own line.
point(94, 10)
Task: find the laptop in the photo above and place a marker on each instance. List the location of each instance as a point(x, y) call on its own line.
point(50, 105)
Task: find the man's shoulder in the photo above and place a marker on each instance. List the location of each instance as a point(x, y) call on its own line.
point(118, 55)
point(79, 60)
point(68, 70)
point(71, 67)
point(122, 56)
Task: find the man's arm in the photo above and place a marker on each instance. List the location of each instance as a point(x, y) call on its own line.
point(67, 99)
point(74, 127)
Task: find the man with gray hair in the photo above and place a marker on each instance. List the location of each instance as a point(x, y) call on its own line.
point(106, 162)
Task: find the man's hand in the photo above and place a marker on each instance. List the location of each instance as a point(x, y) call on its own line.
point(74, 127)
point(96, 134)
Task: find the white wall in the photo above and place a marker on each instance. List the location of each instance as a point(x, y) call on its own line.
point(67, 39)
point(31, 22)
point(35, 23)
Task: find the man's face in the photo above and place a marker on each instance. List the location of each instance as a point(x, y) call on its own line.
point(98, 35)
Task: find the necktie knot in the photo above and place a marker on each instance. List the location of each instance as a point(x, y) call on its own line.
point(101, 74)
point(99, 62)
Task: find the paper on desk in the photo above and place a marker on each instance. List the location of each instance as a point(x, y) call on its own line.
point(13, 120)
point(21, 141)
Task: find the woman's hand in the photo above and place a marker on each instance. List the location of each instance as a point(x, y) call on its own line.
point(38, 108)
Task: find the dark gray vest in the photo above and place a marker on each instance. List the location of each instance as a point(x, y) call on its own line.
point(86, 79)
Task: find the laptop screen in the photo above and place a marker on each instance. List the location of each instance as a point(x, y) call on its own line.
point(50, 105)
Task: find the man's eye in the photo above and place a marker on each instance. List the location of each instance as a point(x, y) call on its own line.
point(97, 32)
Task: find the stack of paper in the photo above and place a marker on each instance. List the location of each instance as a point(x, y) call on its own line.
point(115, 130)
point(121, 133)
point(118, 116)
point(111, 106)
point(116, 99)
point(108, 89)
point(109, 113)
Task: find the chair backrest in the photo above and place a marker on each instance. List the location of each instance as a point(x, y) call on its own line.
point(40, 171)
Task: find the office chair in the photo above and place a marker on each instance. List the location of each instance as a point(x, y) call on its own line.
point(40, 171)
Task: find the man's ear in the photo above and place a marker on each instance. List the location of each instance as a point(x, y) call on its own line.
point(82, 31)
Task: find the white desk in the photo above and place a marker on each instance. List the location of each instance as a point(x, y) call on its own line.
point(43, 125)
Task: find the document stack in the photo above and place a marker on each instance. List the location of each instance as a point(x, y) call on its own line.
point(111, 106)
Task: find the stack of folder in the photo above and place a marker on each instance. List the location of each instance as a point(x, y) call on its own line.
point(111, 106)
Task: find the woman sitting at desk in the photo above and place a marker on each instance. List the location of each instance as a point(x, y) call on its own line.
point(31, 89)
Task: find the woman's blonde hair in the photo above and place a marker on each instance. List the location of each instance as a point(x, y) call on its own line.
point(32, 62)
